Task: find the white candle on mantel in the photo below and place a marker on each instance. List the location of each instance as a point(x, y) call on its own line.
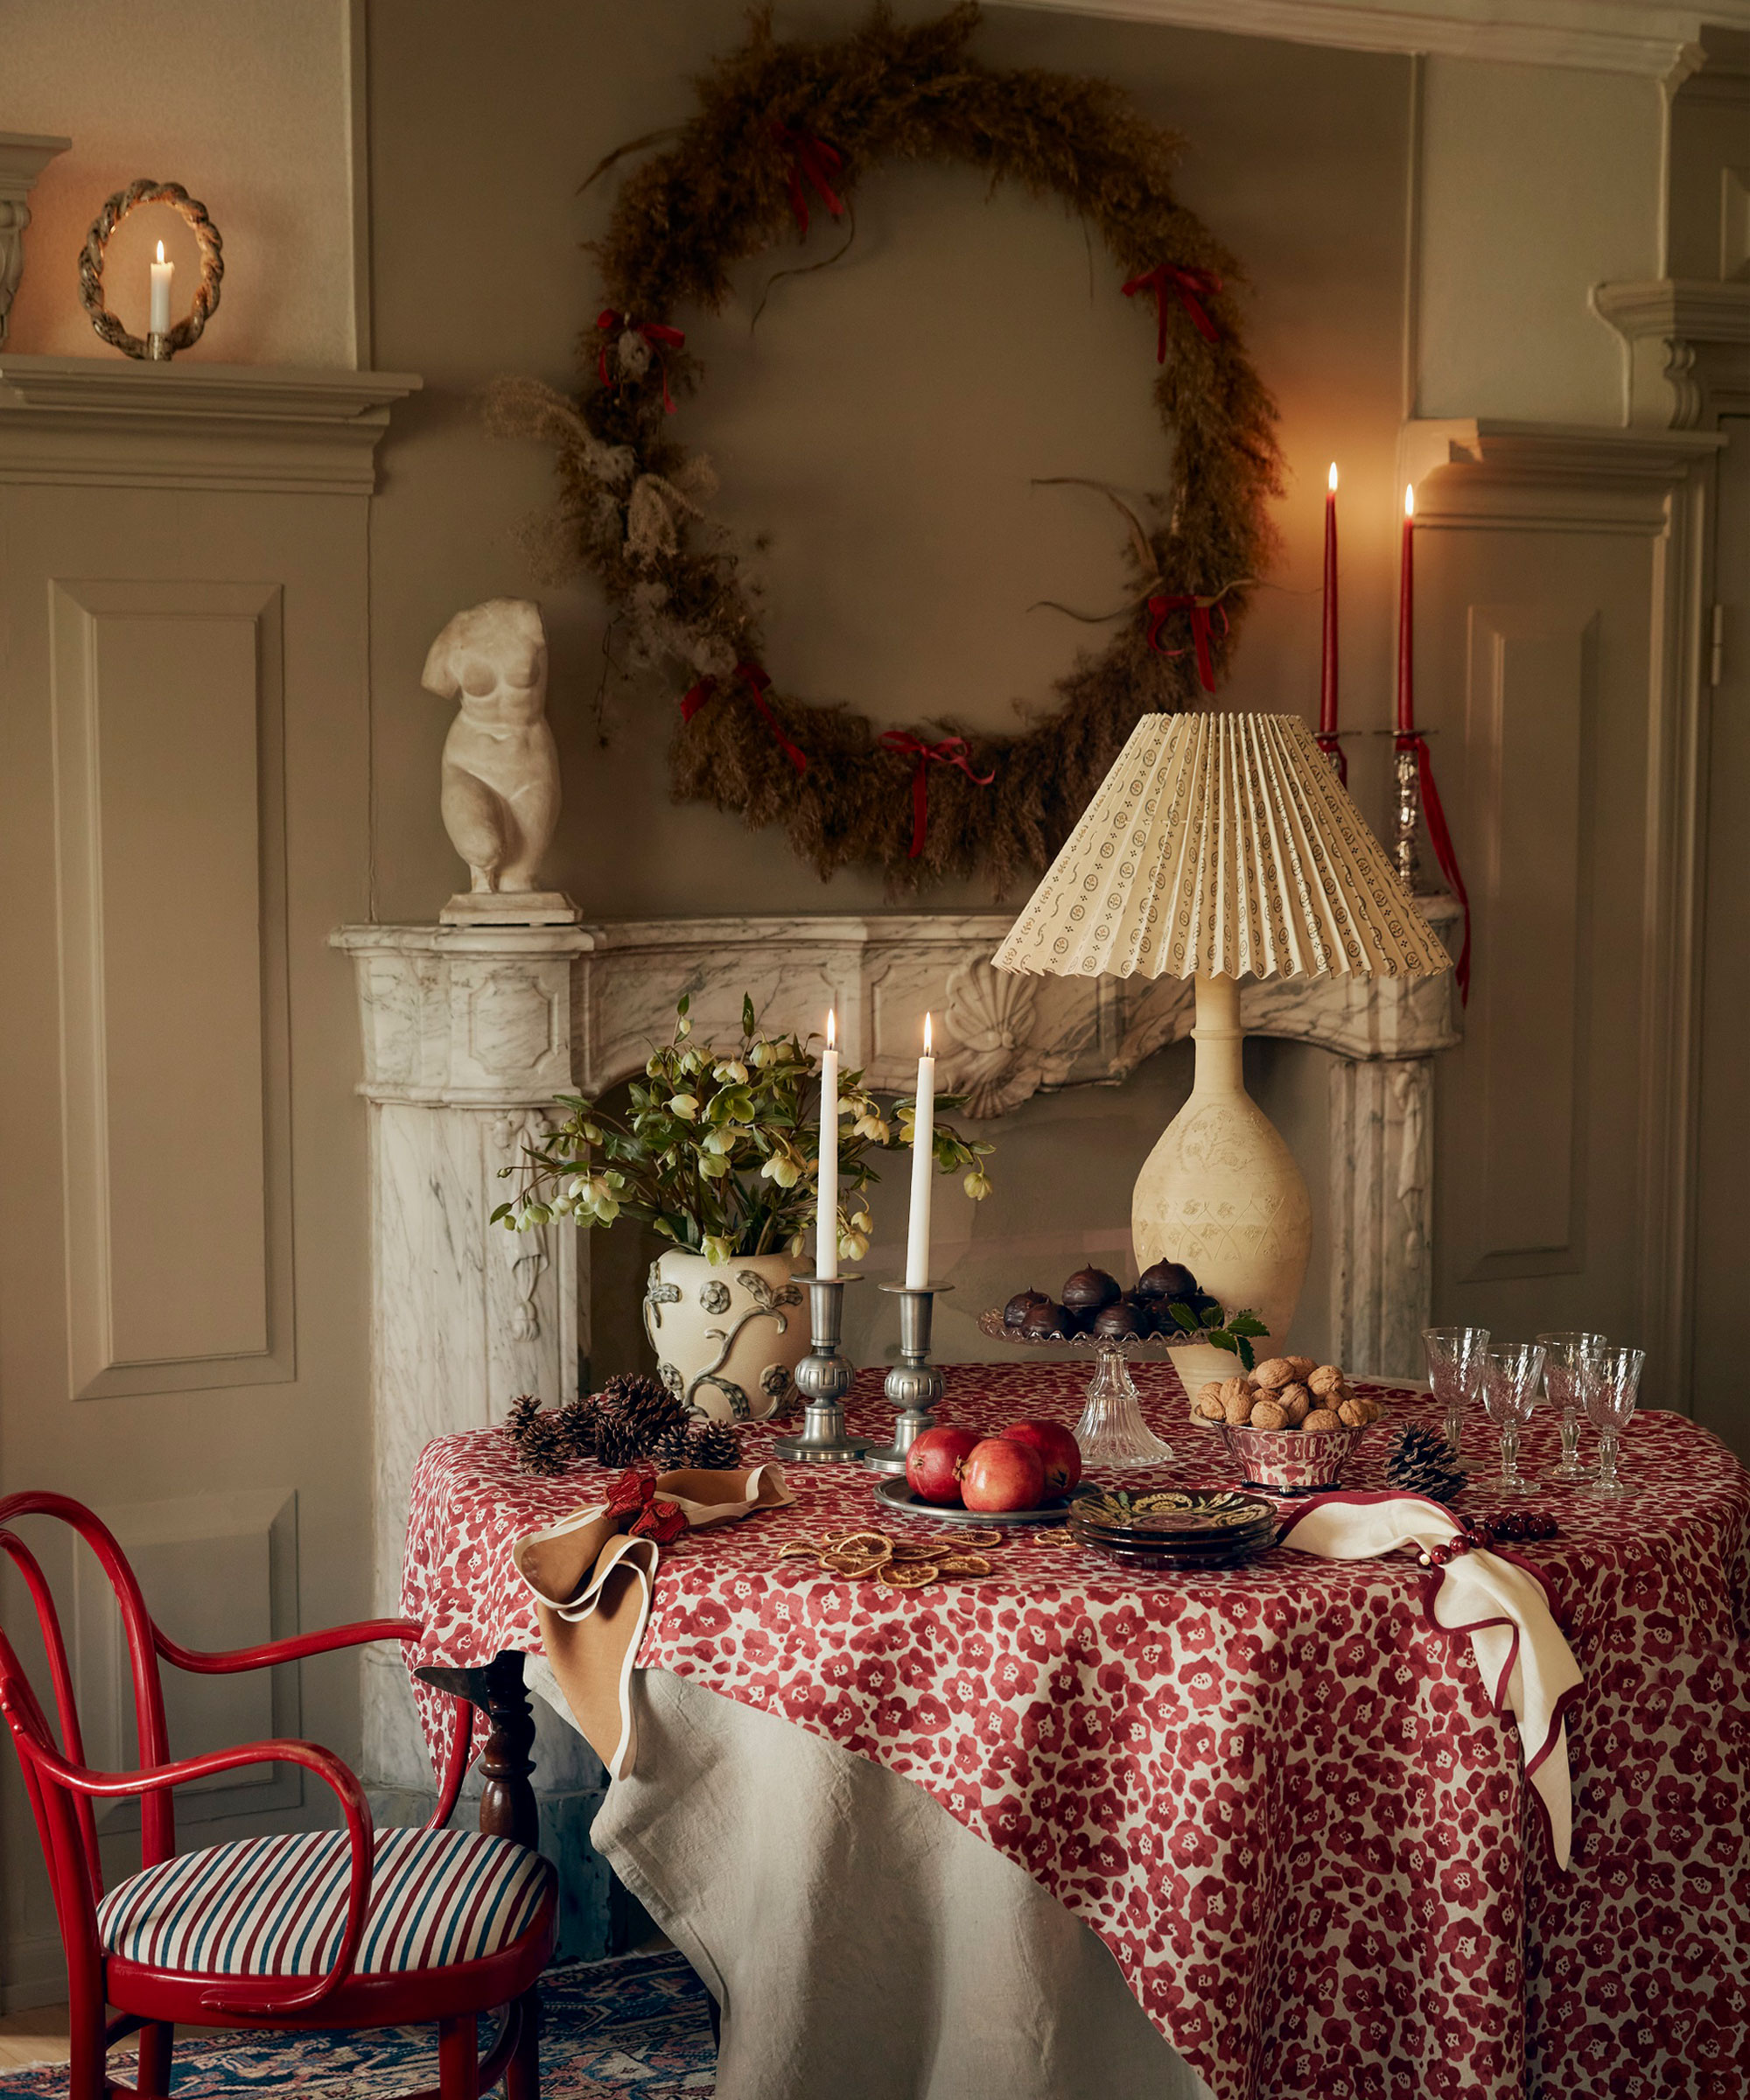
point(826, 1224)
point(162, 273)
point(923, 1149)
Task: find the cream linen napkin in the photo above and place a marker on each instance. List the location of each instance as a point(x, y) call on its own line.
point(593, 1586)
point(1500, 1600)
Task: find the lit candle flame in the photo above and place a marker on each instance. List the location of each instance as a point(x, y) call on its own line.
point(161, 251)
point(1410, 499)
point(831, 1027)
point(1331, 482)
point(927, 1035)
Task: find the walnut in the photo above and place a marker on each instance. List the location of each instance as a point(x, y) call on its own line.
point(1320, 1419)
point(1239, 1412)
point(1353, 1414)
point(1235, 1389)
point(1267, 1415)
point(1206, 1407)
point(1274, 1371)
point(1328, 1378)
point(1285, 1394)
point(1303, 1366)
point(1297, 1410)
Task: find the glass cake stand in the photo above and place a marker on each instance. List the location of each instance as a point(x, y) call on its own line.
point(1111, 1431)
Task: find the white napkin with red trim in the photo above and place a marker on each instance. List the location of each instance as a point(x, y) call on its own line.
point(1502, 1602)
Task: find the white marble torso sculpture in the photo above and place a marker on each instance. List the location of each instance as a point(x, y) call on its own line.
point(501, 781)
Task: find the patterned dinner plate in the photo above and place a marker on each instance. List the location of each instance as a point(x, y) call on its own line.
point(1187, 1513)
point(896, 1494)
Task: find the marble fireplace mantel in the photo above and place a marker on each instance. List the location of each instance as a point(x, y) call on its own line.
point(469, 1033)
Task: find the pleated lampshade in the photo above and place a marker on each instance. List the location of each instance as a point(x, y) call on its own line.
point(1224, 845)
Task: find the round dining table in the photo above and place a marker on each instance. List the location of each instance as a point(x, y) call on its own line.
point(1275, 1799)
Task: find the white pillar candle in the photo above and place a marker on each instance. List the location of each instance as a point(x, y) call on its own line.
point(163, 274)
point(826, 1224)
point(923, 1146)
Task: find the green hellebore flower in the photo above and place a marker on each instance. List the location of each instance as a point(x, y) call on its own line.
point(977, 1186)
point(731, 1072)
point(685, 1106)
point(716, 1249)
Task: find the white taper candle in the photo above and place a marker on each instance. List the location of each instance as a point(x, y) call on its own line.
point(163, 274)
point(923, 1148)
point(826, 1224)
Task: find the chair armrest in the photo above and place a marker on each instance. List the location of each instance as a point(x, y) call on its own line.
point(80, 1779)
point(290, 1650)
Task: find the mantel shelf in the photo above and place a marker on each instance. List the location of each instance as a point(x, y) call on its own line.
point(294, 429)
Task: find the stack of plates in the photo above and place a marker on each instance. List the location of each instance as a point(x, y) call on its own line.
point(1182, 1528)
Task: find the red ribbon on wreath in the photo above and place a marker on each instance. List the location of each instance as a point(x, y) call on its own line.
point(1445, 852)
point(1192, 287)
point(812, 160)
point(633, 1495)
point(658, 334)
point(758, 680)
point(1202, 634)
point(952, 751)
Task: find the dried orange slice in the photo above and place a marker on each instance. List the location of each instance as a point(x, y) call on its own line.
point(909, 1575)
point(975, 1538)
point(801, 1549)
point(911, 1550)
point(969, 1567)
point(861, 1542)
point(853, 1564)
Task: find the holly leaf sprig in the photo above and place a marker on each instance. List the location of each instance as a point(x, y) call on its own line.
point(1206, 1321)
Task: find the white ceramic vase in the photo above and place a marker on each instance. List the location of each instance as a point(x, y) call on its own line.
point(728, 1339)
point(1221, 1193)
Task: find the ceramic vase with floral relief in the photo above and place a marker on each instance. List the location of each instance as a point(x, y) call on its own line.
point(727, 1339)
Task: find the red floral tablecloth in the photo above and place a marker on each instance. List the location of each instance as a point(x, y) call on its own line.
point(1281, 1800)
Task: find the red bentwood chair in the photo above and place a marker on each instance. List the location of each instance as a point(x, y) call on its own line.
point(328, 1928)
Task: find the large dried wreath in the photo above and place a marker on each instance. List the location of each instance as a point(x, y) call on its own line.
point(783, 126)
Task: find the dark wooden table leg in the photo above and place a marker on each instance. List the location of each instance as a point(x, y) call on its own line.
point(507, 1807)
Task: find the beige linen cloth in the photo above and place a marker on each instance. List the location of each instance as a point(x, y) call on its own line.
point(592, 1584)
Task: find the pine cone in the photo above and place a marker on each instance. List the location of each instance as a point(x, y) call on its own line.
point(716, 1446)
point(674, 1449)
point(538, 1448)
point(521, 1412)
point(1423, 1463)
point(633, 1413)
point(577, 1421)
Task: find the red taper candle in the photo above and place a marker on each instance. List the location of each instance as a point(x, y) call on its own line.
point(1406, 617)
point(1327, 682)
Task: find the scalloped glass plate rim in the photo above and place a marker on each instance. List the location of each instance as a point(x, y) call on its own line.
point(896, 1494)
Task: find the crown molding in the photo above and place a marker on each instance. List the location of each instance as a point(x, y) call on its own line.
point(1488, 474)
point(1661, 42)
point(119, 421)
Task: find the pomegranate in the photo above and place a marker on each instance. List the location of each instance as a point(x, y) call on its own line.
point(1060, 1454)
point(936, 1461)
point(1001, 1473)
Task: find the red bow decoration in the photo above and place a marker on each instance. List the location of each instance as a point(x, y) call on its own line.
point(1202, 634)
point(1445, 852)
point(758, 681)
point(658, 334)
point(1326, 741)
point(1192, 286)
point(633, 1495)
point(812, 159)
point(952, 751)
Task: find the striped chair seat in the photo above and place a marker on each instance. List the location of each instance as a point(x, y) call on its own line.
point(278, 1906)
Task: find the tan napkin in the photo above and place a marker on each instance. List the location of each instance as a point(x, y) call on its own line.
point(592, 1586)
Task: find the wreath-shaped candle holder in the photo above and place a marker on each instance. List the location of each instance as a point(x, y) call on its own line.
point(785, 129)
point(116, 209)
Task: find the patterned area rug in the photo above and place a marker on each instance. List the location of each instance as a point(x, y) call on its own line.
point(631, 2029)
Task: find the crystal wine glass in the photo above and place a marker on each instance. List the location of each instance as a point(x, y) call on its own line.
point(1565, 1358)
point(1455, 1364)
point(1509, 1392)
point(1613, 1382)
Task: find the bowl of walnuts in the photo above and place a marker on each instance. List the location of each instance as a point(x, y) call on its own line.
point(1290, 1424)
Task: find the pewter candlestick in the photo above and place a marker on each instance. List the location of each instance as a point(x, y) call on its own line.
point(825, 1376)
point(914, 1385)
point(1409, 815)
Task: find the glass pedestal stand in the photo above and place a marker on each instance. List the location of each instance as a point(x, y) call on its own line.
point(1111, 1431)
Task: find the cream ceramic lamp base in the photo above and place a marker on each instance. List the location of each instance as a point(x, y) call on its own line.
point(1221, 1193)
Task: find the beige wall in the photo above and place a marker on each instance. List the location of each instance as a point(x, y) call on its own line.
point(247, 104)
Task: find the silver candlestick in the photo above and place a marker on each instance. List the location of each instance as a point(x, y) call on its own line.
point(825, 1376)
point(914, 1385)
point(1409, 817)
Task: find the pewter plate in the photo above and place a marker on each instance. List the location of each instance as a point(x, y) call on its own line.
point(896, 1494)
